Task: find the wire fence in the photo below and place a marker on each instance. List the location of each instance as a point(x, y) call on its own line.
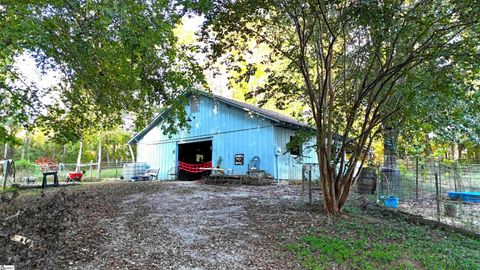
point(32, 174)
point(445, 192)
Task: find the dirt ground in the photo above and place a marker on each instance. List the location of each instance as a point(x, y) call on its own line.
point(155, 225)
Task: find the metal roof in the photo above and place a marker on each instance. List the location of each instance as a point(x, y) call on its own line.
point(280, 119)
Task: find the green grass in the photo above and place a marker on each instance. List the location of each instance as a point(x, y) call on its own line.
point(362, 242)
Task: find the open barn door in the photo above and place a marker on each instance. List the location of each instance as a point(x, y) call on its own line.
point(194, 159)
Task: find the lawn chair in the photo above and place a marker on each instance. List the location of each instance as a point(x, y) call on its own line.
point(149, 174)
point(172, 173)
point(254, 168)
point(152, 173)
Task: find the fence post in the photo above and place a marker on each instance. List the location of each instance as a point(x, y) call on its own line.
point(416, 178)
point(116, 168)
point(440, 176)
point(90, 171)
point(437, 197)
point(455, 176)
point(310, 187)
point(5, 171)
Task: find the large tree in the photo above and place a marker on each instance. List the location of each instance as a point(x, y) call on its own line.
point(347, 60)
point(113, 58)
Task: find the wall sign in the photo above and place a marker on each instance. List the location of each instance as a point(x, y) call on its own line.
point(239, 159)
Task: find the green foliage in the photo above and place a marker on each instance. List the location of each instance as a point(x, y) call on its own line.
point(350, 62)
point(392, 243)
point(113, 58)
point(297, 141)
point(24, 164)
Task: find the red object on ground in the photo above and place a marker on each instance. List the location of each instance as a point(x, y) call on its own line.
point(74, 176)
point(194, 168)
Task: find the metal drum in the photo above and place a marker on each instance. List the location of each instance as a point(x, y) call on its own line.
point(366, 183)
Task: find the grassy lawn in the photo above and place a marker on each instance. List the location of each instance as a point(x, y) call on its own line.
point(373, 241)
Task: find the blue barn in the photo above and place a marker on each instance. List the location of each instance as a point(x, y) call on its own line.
point(224, 133)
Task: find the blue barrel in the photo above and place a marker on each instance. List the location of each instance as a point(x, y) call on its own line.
point(391, 202)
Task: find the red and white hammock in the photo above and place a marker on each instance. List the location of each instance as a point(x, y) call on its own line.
point(194, 168)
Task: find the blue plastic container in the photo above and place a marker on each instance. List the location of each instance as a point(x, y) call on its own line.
point(391, 202)
point(473, 197)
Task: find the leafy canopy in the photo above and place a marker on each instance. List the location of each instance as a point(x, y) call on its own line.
point(114, 58)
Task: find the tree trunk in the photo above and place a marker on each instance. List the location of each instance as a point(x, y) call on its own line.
point(24, 146)
point(64, 153)
point(334, 193)
point(460, 150)
point(452, 153)
point(114, 150)
point(106, 153)
point(5, 151)
point(99, 159)
point(390, 141)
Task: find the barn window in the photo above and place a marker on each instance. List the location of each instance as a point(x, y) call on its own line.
point(194, 104)
point(294, 147)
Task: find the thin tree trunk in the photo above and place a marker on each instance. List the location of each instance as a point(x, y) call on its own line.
point(106, 153)
point(114, 150)
point(460, 150)
point(64, 153)
point(390, 139)
point(99, 161)
point(22, 156)
point(5, 151)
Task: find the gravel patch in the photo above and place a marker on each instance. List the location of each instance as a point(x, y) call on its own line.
point(181, 225)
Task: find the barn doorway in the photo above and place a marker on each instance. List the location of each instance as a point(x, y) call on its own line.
point(192, 157)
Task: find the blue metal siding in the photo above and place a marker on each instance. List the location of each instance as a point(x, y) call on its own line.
point(289, 166)
point(249, 142)
point(232, 131)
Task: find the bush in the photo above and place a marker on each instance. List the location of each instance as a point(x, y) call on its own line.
point(25, 165)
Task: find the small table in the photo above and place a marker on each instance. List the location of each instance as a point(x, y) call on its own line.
point(55, 179)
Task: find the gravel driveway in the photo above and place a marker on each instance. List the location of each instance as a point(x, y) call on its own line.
point(166, 225)
point(193, 226)
point(155, 225)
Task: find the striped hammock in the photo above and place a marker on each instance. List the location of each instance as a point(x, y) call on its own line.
point(194, 168)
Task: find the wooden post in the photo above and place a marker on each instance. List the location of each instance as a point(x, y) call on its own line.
point(439, 177)
point(303, 183)
point(437, 196)
point(91, 169)
point(455, 176)
point(79, 157)
point(14, 170)
point(416, 178)
point(116, 169)
point(5, 169)
point(310, 186)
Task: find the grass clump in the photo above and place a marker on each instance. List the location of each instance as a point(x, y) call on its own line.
point(385, 243)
